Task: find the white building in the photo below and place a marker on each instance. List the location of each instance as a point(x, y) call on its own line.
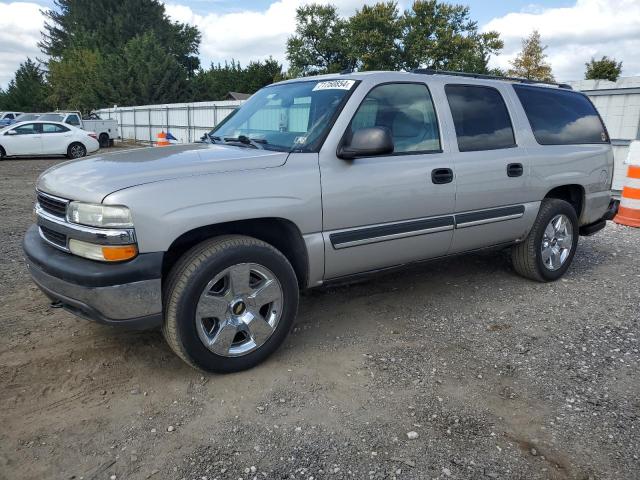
point(619, 105)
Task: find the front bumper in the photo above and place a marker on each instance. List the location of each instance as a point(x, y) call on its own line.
point(127, 294)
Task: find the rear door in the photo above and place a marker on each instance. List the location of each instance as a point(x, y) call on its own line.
point(492, 171)
point(386, 210)
point(25, 141)
point(55, 139)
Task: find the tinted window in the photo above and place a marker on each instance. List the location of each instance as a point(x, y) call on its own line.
point(406, 109)
point(561, 117)
point(10, 116)
point(27, 129)
point(73, 120)
point(481, 118)
point(53, 128)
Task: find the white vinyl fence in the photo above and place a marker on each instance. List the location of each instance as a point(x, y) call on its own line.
point(187, 122)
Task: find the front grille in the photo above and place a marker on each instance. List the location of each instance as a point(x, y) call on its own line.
point(56, 238)
point(52, 205)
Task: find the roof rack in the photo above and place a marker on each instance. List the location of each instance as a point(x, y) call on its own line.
point(433, 71)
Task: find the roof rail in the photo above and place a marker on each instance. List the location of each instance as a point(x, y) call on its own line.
point(433, 71)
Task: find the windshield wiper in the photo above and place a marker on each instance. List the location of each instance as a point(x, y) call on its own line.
point(244, 140)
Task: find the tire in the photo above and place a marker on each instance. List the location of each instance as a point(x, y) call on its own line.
point(76, 150)
point(528, 257)
point(193, 279)
point(103, 140)
point(3, 154)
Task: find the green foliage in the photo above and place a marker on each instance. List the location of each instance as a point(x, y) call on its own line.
point(144, 74)
point(77, 80)
point(320, 44)
point(28, 91)
point(431, 34)
point(442, 36)
point(374, 37)
point(107, 26)
point(531, 62)
point(604, 69)
point(218, 81)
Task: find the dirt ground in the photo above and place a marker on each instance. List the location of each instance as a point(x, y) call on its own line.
point(498, 377)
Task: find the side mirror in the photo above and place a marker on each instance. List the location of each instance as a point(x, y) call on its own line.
point(367, 142)
point(11, 132)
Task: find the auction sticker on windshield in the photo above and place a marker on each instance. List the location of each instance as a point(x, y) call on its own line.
point(334, 85)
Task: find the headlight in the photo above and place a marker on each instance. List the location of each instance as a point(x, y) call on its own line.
point(97, 215)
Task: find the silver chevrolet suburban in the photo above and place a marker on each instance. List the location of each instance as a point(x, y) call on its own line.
point(312, 181)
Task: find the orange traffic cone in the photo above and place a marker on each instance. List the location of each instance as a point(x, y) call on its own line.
point(629, 211)
point(162, 140)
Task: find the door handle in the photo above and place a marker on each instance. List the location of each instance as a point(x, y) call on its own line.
point(441, 176)
point(515, 170)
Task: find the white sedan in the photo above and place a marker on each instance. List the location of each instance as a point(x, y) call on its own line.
point(46, 138)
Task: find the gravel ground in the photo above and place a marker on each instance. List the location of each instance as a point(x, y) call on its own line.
point(450, 369)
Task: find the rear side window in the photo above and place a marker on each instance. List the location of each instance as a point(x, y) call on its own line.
point(481, 118)
point(561, 117)
point(53, 128)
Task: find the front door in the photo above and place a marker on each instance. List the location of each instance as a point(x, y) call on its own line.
point(381, 211)
point(25, 141)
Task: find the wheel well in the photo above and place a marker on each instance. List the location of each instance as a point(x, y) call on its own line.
point(574, 194)
point(278, 232)
point(2, 151)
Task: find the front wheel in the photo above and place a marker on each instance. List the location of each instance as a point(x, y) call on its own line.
point(229, 303)
point(547, 252)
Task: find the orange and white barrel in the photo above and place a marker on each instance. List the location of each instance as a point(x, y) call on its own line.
point(161, 140)
point(629, 211)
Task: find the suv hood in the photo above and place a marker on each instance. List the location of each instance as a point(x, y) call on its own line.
point(91, 179)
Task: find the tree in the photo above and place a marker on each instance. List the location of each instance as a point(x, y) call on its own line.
point(442, 36)
point(431, 34)
point(531, 61)
point(144, 74)
point(78, 81)
point(106, 26)
point(604, 69)
point(374, 37)
point(320, 44)
point(28, 91)
point(215, 83)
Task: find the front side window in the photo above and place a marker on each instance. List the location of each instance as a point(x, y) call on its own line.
point(10, 116)
point(53, 128)
point(27, 129)
point(407, 111)
point(286, 117)
point(480, 117)
point(561, 117)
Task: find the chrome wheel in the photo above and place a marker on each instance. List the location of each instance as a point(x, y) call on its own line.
point(557, 242)
point(239, 310)
point(77, 151)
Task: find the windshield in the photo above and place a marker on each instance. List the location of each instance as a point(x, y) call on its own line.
point(292, 116)
point(52, 117)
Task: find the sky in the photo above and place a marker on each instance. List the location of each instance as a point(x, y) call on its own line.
point(574, 30)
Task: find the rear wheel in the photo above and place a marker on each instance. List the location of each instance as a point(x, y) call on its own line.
point(104, 141)
point(3, 154)
point(229, 303)
point(76, 150)
point(547, 252)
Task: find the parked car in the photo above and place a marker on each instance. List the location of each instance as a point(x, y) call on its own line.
point(46, 138)
point(107, 130)
point(313, 181)
point(25, 117)
point(7, 117)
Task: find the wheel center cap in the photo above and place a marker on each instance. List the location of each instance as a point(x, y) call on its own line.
point(238, 308)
